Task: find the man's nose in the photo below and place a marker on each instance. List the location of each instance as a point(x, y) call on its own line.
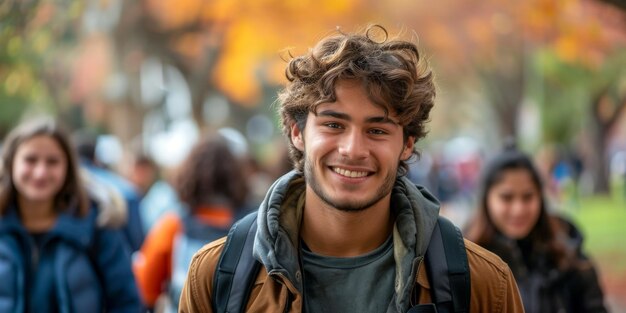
point(353, 145)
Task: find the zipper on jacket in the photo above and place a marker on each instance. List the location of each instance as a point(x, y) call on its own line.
point(282, 279)
point(288, 304)
point(34, 259)
point(414, 297)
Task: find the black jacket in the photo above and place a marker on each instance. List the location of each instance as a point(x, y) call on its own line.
point(543, 287)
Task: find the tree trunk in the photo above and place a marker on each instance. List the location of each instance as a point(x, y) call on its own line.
point(602, 124)
point(597, 158)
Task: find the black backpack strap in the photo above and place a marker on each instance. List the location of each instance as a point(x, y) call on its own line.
point(237, 268)
point(450, 280)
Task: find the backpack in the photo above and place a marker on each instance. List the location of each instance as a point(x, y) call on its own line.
point(193, 236)
point(450, 281)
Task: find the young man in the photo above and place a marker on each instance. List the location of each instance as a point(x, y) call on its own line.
point(345, 231)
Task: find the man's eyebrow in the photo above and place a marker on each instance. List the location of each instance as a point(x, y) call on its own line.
point(335, 114)
point(346, 117)
point(381, 119)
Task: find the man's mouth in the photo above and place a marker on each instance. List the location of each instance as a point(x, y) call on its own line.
point(349, 173)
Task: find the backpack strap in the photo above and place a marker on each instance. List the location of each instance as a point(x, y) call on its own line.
point(237, 268)
point(450, 280)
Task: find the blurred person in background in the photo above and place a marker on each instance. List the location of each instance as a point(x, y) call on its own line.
point(212, 185)
point(54, 254)
point(543, 251)
point(97, 172)
point(160, 200)
point(142, 172)
point(157, 196)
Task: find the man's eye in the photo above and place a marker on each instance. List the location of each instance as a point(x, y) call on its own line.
point(332, 125)
point(377, 132)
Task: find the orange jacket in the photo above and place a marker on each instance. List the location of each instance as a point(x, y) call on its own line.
point(152, 265)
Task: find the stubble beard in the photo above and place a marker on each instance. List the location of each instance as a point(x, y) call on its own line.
point(347, 205)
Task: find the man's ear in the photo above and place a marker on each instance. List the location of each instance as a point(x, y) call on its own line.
point(407, 150)
point(297, 137)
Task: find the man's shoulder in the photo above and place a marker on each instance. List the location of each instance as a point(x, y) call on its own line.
point(493, 286)
point(197, 292)
point(484, 261)
point(208, 256)
point(204, 263)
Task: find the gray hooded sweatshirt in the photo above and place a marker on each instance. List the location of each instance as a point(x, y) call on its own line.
point(277, 241)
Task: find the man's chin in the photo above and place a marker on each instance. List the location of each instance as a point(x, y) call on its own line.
point(349, 204)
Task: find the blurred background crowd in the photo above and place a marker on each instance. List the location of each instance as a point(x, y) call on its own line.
point(140, 84)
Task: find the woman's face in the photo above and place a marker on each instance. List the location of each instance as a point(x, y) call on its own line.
point(39, 169)
point(514, 203)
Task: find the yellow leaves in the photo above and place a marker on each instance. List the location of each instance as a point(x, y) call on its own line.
point(14, 46)
point(19, 80)
point(174, 13)
point(334, 7)
point(577, 30)
point(581, 47)
point(256, 32)
point(220, 10)
point(567, 48)
point(235, 72)
point(13, 82)
point(250, 34)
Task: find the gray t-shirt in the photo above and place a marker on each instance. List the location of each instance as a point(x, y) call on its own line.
point(356, 284)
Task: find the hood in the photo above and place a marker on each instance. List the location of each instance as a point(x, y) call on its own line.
point(277, 240)
point(112, 208)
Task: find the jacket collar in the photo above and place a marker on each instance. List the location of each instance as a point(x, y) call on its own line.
point(69, 228)
point(279, 217)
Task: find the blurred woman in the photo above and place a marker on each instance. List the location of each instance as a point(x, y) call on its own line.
point(543, 251)
point(213, 188)
point(54, 256)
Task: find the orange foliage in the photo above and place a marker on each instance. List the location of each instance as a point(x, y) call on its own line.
point(174, 13)
point(250, 34)
point(579, 31)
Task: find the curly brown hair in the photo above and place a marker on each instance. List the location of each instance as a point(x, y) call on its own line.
point(210, 175)
point(392, 72)
point(72, 197)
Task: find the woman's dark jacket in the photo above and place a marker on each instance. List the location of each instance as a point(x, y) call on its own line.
point(79, 267)
point(545, 288)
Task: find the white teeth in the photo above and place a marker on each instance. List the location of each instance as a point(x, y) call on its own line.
point(347, 173)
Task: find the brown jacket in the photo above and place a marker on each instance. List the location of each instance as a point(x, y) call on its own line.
point(493, 287)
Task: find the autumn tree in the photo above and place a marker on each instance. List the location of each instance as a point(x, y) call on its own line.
point(225, 47)
point(34, 39)
point(562, 54)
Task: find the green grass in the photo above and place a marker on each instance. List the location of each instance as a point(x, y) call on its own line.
point(603, 223)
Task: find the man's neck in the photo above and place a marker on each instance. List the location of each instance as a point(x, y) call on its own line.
point(332, 232)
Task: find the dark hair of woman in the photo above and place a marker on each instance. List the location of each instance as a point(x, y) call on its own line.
point(72, 197)
point(545, 235)
point(211, 174)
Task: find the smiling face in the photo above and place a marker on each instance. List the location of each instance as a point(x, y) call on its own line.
point(514, 203)
point(352, 151)
point(39, 169)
